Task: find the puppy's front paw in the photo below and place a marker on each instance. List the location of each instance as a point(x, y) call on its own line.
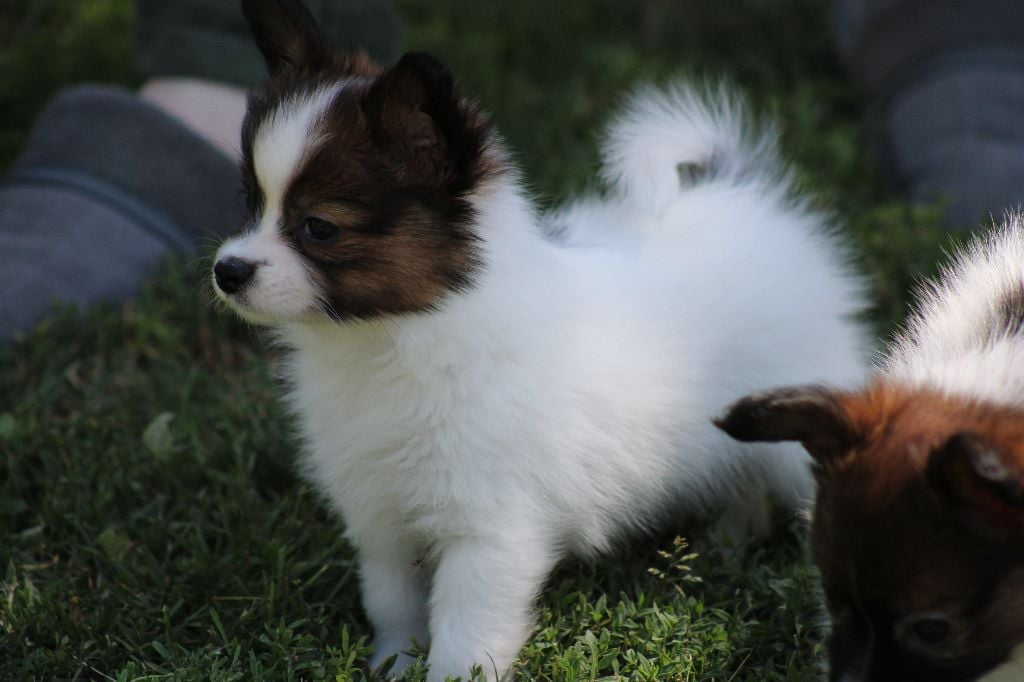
point(394, 653)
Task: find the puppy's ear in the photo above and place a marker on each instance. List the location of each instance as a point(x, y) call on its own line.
point(287, 35)
point(812, 415)
point(415, 114)
point(980, 480)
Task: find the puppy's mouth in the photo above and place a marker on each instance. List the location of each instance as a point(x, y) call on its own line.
point(240, 306)
point(241, 290)
point(233, 281)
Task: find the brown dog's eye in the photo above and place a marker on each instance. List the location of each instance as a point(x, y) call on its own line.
point(934, 634)
point(319, 231)
point(932, 631)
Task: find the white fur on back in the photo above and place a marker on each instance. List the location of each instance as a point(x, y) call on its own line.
point(956, 341)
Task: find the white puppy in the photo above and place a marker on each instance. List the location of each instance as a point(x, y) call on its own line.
point(482, 390)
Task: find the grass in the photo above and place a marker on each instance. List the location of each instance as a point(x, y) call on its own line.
point(151, 525)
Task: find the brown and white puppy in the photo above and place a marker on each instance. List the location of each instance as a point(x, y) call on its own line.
point(482, 390)
point(918, 527)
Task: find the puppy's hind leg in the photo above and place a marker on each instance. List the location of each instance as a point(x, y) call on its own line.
point(746, 517)
point(785, 469)
point(780, 474)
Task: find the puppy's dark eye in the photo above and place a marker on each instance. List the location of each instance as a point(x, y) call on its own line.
point(932, 631)
point(319, 231)
point(934, 634)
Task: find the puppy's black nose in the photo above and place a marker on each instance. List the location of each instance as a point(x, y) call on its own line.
point(232, 273)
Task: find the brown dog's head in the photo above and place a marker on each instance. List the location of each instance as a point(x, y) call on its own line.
point(918, 527)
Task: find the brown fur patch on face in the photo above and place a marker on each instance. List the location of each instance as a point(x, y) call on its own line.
point(891, 546)
point(398, 157)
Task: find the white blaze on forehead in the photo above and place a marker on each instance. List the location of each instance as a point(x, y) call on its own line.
point(281, 287)
point(283, 141)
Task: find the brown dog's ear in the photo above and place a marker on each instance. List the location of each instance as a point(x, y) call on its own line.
point(979, 479)
point(416, 115)
point(287, 35)
point(812, 415)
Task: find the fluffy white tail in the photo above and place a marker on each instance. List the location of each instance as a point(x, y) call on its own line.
point(666, 140)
